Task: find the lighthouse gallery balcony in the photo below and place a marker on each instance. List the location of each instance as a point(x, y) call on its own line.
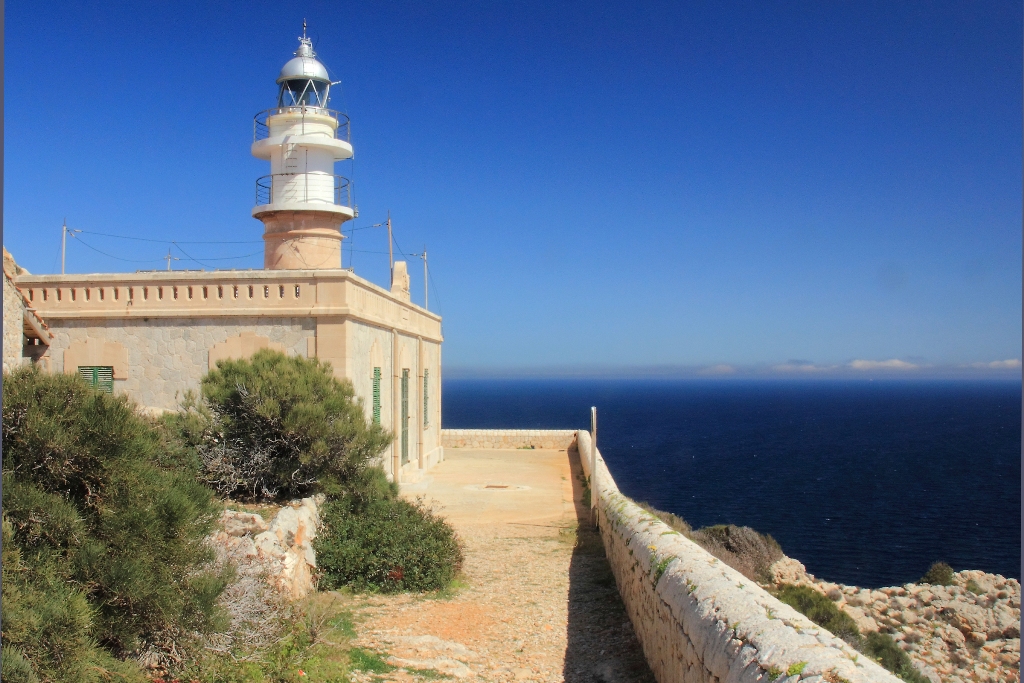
point(304, 192)
point(308, 126)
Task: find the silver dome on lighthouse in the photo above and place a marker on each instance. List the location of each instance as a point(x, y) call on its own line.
point(304, 64)
point(303, 80)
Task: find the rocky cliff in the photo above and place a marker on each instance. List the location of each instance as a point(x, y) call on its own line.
point(967, 631)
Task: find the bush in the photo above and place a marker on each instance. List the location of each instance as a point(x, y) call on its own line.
point(820, 610)
point(939, 574)
point(672, 520)
point(274, 426)
point(372, 539)
point(103, 534)
point(887, 652)
point(747, 551)
point(879, 646)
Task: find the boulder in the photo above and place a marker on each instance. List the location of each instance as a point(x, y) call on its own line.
point(788, 570)
point(283, 547)
point(240, 524)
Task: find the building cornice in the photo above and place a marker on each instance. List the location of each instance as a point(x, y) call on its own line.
point(228, 293)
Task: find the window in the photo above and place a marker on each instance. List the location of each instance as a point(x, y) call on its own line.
point(98, 377)
point(426, 398)
point(376, 396)
point(301, 91)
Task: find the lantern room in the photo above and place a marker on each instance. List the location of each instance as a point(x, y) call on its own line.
point(303, 80)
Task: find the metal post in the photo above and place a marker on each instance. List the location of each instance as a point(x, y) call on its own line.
point(593, 463)
point(391, 253)
point(63, 244)
point(426, 286)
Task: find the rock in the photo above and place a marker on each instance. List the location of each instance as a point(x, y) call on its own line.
point(953, 637)
point(788, 570)
point(269, 545)
point(949, 632)
point(283, 547)
point(863, 621)
point(237, 523)
point(246, 547)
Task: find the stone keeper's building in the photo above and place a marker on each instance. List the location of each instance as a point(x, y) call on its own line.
point(153, 335)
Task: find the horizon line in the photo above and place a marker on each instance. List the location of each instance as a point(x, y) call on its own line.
point(856, 370)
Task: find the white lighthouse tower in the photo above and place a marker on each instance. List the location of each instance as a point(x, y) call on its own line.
point(302, 203)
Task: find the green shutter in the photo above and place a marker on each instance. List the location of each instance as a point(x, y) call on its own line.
point(405, 415)
point(376, 396)
point(98, 377)
point(426, 397)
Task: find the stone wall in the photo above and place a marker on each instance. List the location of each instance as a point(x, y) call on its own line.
point(166, 357)
point(555, 439)
point(14, 315)
point(699, 620)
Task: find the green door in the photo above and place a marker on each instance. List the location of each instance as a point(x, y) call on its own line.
point(405, 415)
point(98, 377)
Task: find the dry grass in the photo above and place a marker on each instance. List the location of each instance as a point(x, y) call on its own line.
point(747, 551)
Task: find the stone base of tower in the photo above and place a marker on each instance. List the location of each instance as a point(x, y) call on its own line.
point(298, 240)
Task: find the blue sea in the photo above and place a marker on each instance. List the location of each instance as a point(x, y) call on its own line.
point(866, 483)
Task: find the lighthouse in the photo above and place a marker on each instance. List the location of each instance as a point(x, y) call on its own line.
point(302, 203)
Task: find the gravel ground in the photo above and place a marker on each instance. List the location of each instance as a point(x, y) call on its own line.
point(538, 600)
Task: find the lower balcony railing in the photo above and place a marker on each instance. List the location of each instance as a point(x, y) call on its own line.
point(303, 187)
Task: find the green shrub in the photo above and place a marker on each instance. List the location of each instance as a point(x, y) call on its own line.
point(274, 426)
point(887, 652)
point(879, 646)
point(103, 531)
point(675, 522)
point(311, 642)
point(820, 610)
point(940, 574)
point(14, 667)
point(373, 540)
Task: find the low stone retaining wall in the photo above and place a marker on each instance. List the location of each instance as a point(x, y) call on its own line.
point(699, 620)
point(554, 439)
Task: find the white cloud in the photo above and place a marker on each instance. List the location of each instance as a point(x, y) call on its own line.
point(1009, 364)
point(718, 370)
point(802, 367)
point(891, 364)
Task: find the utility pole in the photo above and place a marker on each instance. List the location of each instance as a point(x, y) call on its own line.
point(64, 243)
point(426, 284)
point(391, 253)
point(168, 257)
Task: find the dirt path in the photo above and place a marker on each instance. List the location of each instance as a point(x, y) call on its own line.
point(538, 602)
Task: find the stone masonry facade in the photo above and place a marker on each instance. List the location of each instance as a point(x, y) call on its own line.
point(14, 312)
point(167, 357)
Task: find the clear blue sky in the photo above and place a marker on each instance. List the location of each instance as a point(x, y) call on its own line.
point(709, 186)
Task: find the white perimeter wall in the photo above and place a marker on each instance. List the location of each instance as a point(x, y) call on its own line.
point(699, 620)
